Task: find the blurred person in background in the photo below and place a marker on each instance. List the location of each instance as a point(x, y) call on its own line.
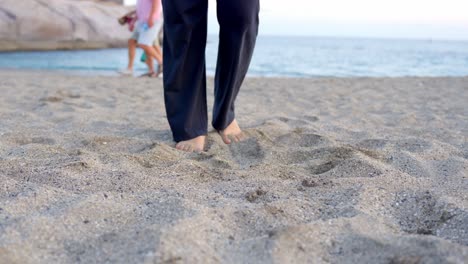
point(146, 24)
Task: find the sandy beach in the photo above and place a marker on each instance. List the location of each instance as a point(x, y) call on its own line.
point(335, 170)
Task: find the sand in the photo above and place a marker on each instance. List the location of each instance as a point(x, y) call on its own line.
point(367, 170)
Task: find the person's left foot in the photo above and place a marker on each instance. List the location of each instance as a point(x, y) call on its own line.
point(232, 133)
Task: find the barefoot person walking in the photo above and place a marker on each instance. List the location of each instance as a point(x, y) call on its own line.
point(185, 33)
point(145, 32)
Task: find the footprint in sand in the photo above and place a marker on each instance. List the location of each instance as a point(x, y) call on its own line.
point(339, 203)
point(358, 248)
point(407, 164)
point(354, 168)
point(413, 145)
point(300, 140)
point(339, 161)
point(148, 218)
point(216, 156)
point(247, 153)
point(425, 214)
point(451, 167)
point(326, 155)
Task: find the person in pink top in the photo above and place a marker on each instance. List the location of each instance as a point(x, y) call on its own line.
point(149, 23)
point(148, 11)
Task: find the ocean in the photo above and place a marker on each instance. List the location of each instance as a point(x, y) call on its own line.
point(283, 56)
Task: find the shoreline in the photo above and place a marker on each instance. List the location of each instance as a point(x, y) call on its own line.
point(115, 74)
point(307, 58)
point(72, 45)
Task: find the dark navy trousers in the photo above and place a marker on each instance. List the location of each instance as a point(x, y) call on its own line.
point(185, 34)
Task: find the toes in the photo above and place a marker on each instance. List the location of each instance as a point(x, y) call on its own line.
point(235, 138)
point(226, 139)
point(179, 146)
point(182, 147)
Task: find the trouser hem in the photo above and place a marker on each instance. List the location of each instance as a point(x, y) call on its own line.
point(223, 126)
point(189, 135)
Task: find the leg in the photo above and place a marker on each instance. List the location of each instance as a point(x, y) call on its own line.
point(132, 44)
point(157, 44)
point(159, 55)
point(149, 63)
point(238, 22)
point(185, 30)
point(150, 53)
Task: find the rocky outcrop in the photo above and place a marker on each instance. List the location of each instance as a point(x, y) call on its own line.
point(60, 24)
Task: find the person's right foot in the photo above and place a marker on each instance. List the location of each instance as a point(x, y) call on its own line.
point(150, 74)
point(192, 145)
point(160, 70)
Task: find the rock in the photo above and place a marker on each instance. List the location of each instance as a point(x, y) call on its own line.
point(61, 24)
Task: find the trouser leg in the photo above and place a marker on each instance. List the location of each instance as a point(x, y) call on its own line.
point(185, 30)
point(238, 21)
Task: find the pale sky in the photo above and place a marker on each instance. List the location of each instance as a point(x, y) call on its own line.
point(438, 19)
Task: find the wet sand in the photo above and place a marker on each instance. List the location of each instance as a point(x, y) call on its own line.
point(366, 170)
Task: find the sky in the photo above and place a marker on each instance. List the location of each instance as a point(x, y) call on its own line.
point(422, 19)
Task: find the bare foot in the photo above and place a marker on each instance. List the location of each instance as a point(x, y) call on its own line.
point(192, 145)
point(232, 133)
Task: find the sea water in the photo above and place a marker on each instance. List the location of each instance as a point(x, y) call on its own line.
point(282, 56)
